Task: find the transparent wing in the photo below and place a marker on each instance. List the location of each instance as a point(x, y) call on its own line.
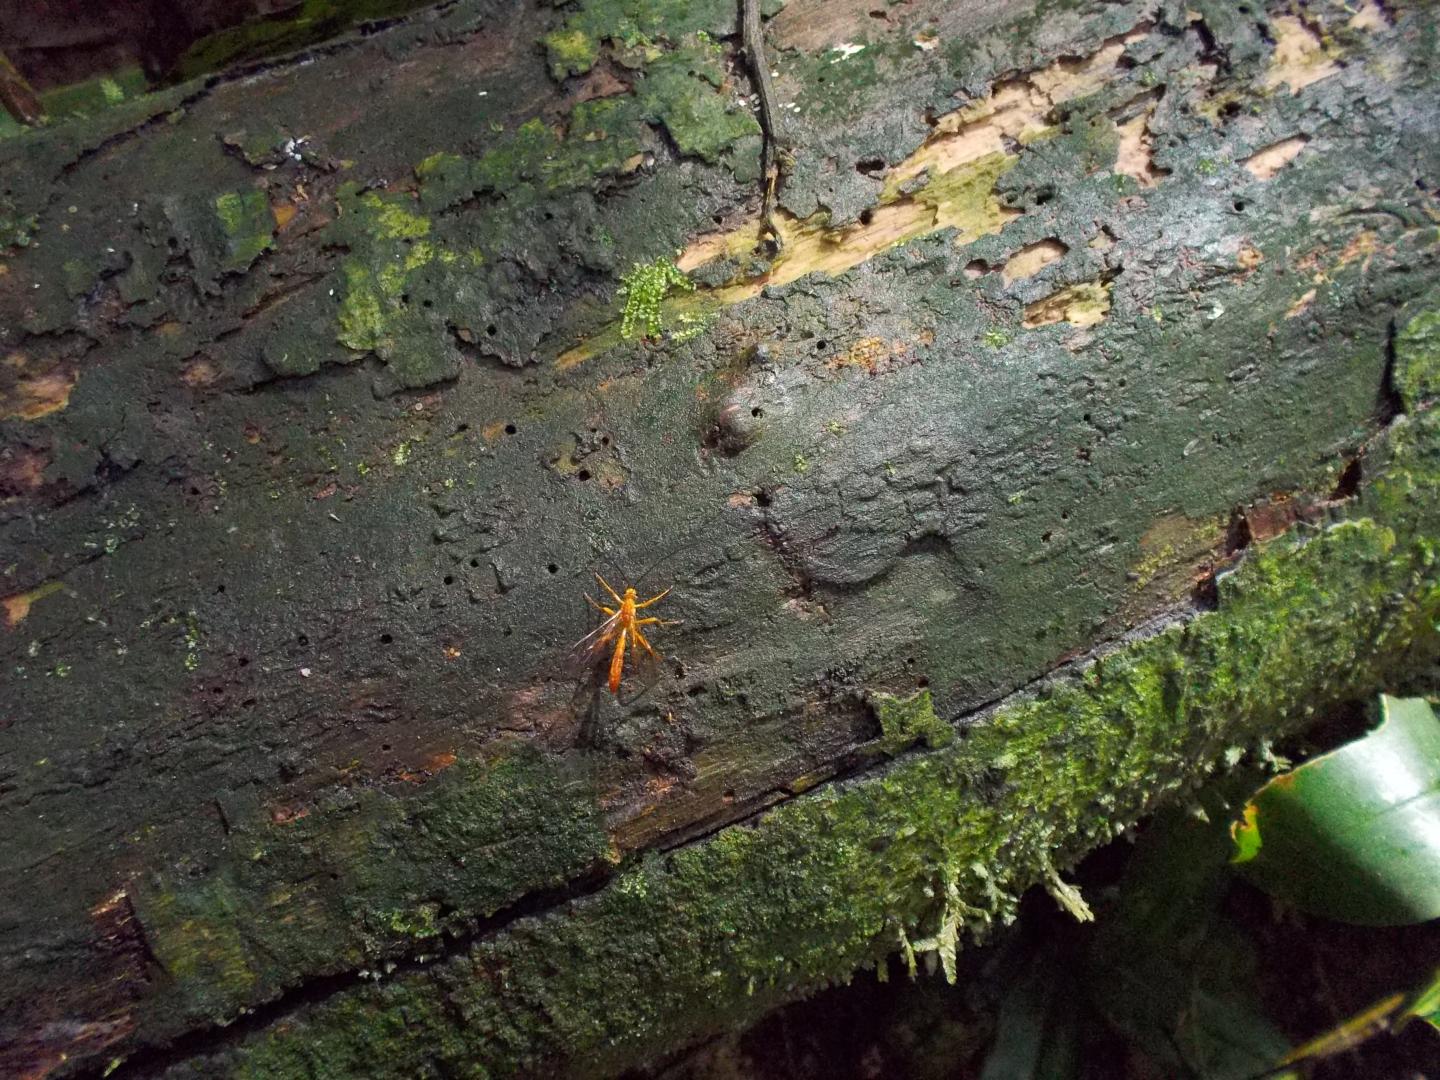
point(586, 654)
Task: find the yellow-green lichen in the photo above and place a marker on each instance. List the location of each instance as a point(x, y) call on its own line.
point(571, 52)
point(362, 322)
point(392, 220)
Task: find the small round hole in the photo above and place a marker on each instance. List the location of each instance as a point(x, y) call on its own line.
point(757, 411)
point(583, 474)
point(867, 216)
point(492, 329)
point(510, 429)
point(821, 345)
point(554, 569)
point(449, 579)
point(386, 639)
point(474, 562)
point(302, 641)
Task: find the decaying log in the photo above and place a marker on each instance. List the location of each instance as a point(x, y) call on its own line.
point(1076, 442)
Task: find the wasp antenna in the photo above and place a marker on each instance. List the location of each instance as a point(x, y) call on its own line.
point(696, 534)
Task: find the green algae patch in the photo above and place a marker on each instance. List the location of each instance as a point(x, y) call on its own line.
point(248, 227)
point(933, 845)
point(683, 91)
point(366, 875)
point(1417, 359)
point(603, 137)
point(573, 48)
point(905, 721)
point(388, 287)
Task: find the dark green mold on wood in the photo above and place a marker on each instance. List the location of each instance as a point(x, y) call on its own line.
point(353, 882)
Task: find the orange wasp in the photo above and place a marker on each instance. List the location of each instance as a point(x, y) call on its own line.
point(621, 626)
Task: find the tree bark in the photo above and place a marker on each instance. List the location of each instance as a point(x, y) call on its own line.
point(1076, 442)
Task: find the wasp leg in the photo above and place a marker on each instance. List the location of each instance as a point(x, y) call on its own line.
point(652, 599)
point(596, 604)
point(608, 589)
point(640, 640)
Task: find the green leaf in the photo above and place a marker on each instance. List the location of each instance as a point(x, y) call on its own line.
point(1354, 835)
point(1168, 969)
point(1037, 1035)
point(1424, 1003)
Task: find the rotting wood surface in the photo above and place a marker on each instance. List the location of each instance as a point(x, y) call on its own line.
point(316, 421)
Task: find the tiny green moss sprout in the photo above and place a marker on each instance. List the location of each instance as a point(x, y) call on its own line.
point(644, 288)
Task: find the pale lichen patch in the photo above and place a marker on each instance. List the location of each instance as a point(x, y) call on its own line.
point(1264, 164)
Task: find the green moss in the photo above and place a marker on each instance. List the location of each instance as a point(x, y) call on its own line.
point(248, 227)
point(908, 720)
point(913, 855)
point(644, 288)
point(358, 879)
point(1417, 359)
